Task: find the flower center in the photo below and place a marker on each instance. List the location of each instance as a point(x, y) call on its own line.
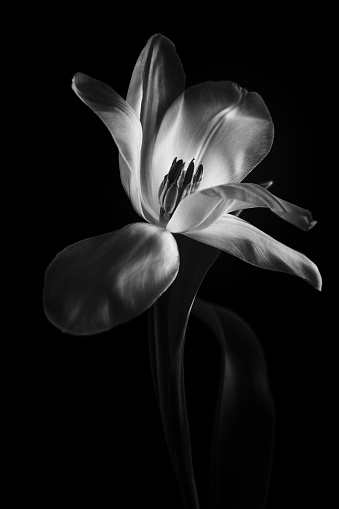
point(177, 184)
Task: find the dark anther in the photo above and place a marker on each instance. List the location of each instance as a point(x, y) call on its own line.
point(198, 175)
point(175, 170)
point(189, 173)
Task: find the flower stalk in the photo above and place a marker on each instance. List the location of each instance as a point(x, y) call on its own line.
point(168, 319)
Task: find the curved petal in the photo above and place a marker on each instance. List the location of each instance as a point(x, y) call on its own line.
point(196, 212)
point(221, 125)
point(97, 283)
point(135, 89)
point(241, 239)
point(201, 209)
point(244, 196)
point(157, 80)
point(266, 185)
point(124, 126)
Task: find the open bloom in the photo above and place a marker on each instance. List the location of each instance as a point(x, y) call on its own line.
point(182, 157)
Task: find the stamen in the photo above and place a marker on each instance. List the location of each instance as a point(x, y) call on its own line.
point(189, 173)
point(170, 200)
point(197, 178)
point(175, 170)
point(186, 191)
point(173, 164)
point(181, 178)
point(164, 216)
point(161, 188)
point(176, 185)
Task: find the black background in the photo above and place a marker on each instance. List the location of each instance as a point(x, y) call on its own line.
point(97, 429)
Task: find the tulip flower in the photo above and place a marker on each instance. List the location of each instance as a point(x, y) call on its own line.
point(183, 155)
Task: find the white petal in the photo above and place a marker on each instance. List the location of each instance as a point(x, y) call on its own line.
point(135, 89)
point(157, 80)
point(245, 241)
point(201, 209)
point(196, 212)
point(244, 196)
point(97, 283)
point(221, 125)
point(123, 124)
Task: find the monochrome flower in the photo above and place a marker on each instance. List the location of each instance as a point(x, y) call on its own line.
point(183, 155)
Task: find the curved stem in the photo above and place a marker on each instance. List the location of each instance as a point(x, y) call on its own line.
point(243, 437)
point(167, 327)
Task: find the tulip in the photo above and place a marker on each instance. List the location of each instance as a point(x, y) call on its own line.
point(183, 155)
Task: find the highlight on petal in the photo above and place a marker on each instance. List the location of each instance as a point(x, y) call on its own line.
point(201, 209)
point(196, 211)
point(221, 126)
point(243, 240)
point(157, 80)
point(266, 185)
point(135, 89)
point(123, 124)
point(244, 196)
point(98, 283)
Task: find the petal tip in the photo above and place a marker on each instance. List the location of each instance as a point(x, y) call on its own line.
point(319, 286)
point(78, 79)
point(267, 185)
point(313, 275)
